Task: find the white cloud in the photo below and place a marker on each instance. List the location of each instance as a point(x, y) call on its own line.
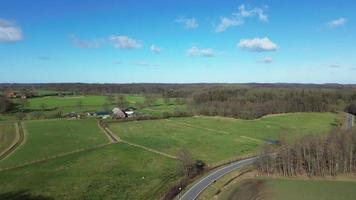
point(267, 60)
point(188, 23)
point(226, 23)
point(124, 42)
point(238, 18)
point(207, 52)
point(195, 51)
point(86, 44)
point(155, 49)
point(257, 44)
point(337, 22)
point(9, 31)
point(259, 12)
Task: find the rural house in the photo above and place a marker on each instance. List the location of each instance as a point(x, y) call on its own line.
point(118, 113)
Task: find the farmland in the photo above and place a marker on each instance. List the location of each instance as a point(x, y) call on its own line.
point(215, 139)
point(45, 138)
point(7, 135)
point(280, 189)
point(117, 171)
point(53, 106)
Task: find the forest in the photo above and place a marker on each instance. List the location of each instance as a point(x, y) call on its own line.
point(312, 155)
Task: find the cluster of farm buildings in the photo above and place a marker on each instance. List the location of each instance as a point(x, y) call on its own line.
point(116, 113)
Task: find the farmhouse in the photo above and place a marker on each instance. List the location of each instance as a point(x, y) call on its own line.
point(11, 94)
point(118, 113)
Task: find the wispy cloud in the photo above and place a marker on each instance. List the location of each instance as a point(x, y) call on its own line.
point(257, 44)
point(337, 22)
point(226, 23)
point(352, 69)
point(259, 12)
point(267, 60)
point(9, 31)
point(238, 18)
point(85, 44)
point(334, 66)
point(124, 42)
point(143, 64)
point(188, 23)
point(155, 49)
point(195, 51)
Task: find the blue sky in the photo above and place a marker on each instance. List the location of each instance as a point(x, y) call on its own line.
point(177, 41)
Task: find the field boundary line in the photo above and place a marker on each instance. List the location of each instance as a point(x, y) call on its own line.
point(56, 156)
point(20, 138)
point(252, 139)
point(119, 140)
point(199, 127)
point(149, 149)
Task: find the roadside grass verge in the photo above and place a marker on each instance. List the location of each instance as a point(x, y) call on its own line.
point(46, 138)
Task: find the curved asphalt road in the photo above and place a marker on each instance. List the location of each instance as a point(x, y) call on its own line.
point(203, 183)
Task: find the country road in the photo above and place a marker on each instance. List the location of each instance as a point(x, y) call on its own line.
point(350, 121)
point(203, 183)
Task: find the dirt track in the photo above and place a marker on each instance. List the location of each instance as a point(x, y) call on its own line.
point(20, 139)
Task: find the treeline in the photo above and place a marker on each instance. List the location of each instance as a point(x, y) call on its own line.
point(250, 103)
point(6, 105)
point(166, 89)
point(351, 108)
point(312, 155)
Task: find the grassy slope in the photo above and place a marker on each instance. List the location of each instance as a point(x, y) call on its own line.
point(217, 139)
point(280, 189)
point(7, 135)
point(47, 138)
point(112, 172)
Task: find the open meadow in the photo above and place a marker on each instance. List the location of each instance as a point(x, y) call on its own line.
point(116, 171)
point(217, 139)
point(46, 138)
point(292, 189)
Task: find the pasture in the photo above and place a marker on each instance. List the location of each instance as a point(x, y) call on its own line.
point(216, 139)
point(45, 138)
point(292, 189)
point(116, 171)
point(51, 105)
point(7, 135)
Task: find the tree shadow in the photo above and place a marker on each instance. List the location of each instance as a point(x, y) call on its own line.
point(22, 195)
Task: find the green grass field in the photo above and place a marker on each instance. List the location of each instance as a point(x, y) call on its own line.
point(46, 138)
point(7, 135)
point(117, 171)
point(69, 104)
point(219, 139)
point(281, 189)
